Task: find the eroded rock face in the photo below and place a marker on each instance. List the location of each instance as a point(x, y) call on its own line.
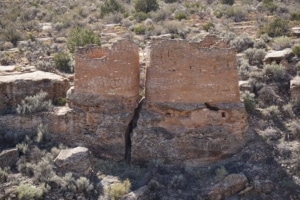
point(74, 160)
point(105, 94)
point(15, 87)
point(295, 88)
point(9, 158)
point(192, 110)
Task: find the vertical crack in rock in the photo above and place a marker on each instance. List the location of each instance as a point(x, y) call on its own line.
point(132, 124)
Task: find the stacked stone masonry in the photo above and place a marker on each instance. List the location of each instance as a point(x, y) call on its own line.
point(191, 111)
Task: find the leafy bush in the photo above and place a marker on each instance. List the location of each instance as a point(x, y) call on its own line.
point(140, 29)
point(81, 37)
point(244, 70)
point(111, 6)
point(208, 26)
point(61, 61)
point(117, 190)
point(180, 15)
point(146, 5)
point(269, 5)
point(141, 16)
point(282, 42)
point(235, 13)
point(228, 2)
point(249, 101)
point(278, 27)
point(260, 44)
point(295, 16)
point(271, 112)
point(34, 104)
point(27, 191)
point(296, 50)
point(10, 34)
point(221, 173)
point(241, 43)
point(84, 185)
point(255, 56)
point(275, 72)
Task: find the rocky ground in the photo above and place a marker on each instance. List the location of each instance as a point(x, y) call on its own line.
point(33, 32)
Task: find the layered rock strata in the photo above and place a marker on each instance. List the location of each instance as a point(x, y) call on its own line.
point(15, 87)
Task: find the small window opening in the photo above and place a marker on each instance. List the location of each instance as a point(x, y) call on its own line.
point(223, 114)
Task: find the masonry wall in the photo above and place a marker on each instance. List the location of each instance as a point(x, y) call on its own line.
point(186, 72)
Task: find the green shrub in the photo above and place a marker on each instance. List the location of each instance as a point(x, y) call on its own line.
point(260, 44)
point(80, 37)
point(208, 26)
point(278, 27)
point(295, 16)
point(282, 42)
point(296, 50)
point(34, 104)
point(180, 15)
point(221, 173)
point(140, 29)
point(271, 112)
point(228, 2)
point(275, 72)
point(241, 43)
point(10, 34)
point(61, 61)
point(146, 5)
point(269, 5)
point(170, 1)
point(235, 13)
point(117, 190)
point(27, 191)
point(61, 101)
point(141, 16)
point(111, 6)
point(249, 101)
point(83, 185)
point(255, 56)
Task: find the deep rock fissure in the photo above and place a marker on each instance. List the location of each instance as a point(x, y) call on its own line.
point(132, 124)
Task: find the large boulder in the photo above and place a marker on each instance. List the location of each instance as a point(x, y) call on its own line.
point(15, 87)
point(232, 184)
point(75, 160)
point(9, 157)
point(295, 87)
point(278, 56)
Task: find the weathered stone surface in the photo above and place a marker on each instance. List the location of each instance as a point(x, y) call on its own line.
point(185, 72)
point(296, 31)
point(192, 110)
point(74, 160)
point(278, 56)
point(137, 194)
point(231, 185)
point(15, 87)
point(105, 94)
point(295, 87)
point(9, 157)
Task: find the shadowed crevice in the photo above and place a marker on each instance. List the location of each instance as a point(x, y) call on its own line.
point(132, 124)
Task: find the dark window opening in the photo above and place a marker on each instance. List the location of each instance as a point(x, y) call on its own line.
point(223, 114)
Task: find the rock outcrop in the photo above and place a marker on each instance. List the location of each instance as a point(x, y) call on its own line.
point(295, 88)
point(192, 110)
point(15, 87)
point(9, 158)
point(74, 160)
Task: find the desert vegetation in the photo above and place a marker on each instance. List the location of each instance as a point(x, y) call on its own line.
point(45, 34)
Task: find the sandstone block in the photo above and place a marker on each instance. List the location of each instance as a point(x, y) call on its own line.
point(295, 87)
point(74, 160)
point(15, 87)
point(9, 157)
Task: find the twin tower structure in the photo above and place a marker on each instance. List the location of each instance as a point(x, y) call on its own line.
point(191, 111)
